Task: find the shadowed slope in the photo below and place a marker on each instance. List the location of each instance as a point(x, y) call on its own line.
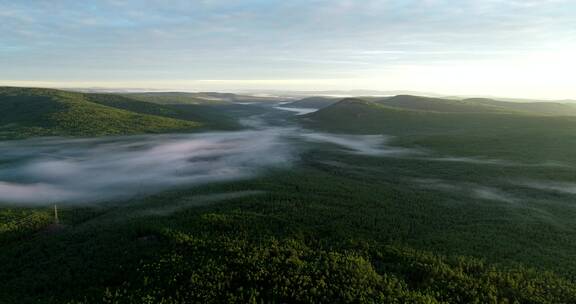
point(47, 112)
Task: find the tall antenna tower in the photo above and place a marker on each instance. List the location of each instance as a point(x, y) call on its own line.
point(56, 220)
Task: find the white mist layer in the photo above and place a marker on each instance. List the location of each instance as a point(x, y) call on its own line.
point(76, 171)
point(470, 189)
point(374, 145)
point(551, 186)
point(86, 170)
point(298, 111)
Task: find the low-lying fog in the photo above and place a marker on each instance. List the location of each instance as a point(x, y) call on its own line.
point(298, 111)
point(49, 170)
point(79, 170)
point(76, 171)
point(374, 145)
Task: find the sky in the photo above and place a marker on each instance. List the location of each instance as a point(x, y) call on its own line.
point(510, 48)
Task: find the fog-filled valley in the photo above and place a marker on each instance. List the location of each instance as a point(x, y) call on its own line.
point(287, 152)
point(212, 197)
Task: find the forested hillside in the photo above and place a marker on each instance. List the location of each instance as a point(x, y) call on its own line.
point(511, 135)
point(320, 234)
point(476, 105)
point(453, 206)
point(212, 115)
point(46, 112)
point(315, 102)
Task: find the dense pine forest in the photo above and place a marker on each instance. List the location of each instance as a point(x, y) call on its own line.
point(381, 200)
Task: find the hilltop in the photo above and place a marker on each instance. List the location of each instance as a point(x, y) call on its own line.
point(466, 129)
point(50, 112)
point(413, 114)
point(315, 102)
point(475, 105)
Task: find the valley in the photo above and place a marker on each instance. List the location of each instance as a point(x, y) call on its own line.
point(172, 198)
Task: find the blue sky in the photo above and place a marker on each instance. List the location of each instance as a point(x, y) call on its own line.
point(518, 48)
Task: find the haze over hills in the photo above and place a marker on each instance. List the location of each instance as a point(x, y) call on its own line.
point(452, 104)
point(476, 105)
point(390, 93)
point(339, 93)
point(560, 108)
point(198, 97)
point(163, 96)
point(437, 104)
point(176, 98)
point(280, 95)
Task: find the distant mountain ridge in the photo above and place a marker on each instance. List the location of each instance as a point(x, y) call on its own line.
point(341, 93)
point(175, 97)
point(404, 108)
point(435, 104)
point(315, 102)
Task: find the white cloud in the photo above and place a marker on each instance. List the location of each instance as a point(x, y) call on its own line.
point(418, 45)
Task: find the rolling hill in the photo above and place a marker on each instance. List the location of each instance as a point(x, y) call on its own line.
point(437, 104)
point(475, 105)
point(518, 135)
point(49, 112)
point(547, 108)
point(315, 102)
point(211, 115)
point(428, 115)
point(448, 105)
